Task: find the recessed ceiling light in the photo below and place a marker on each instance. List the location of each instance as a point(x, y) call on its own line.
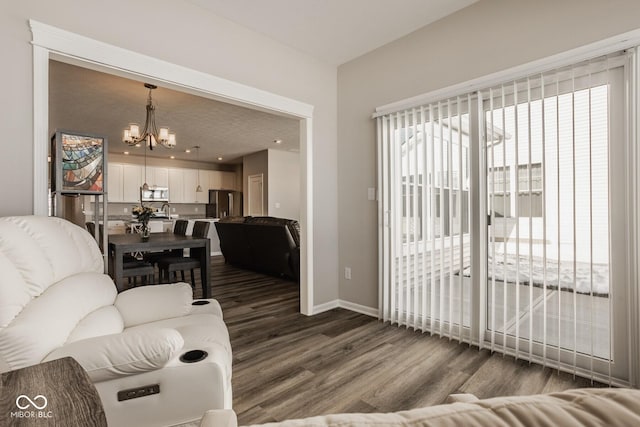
point(172, 157)
point(137, 145)
point(219, 158)
point(187, 151)
point(277, 141)
point(126, 153)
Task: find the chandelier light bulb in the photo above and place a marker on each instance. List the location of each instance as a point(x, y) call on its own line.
point(163, 135)
point(172, 140)
point(134, 130)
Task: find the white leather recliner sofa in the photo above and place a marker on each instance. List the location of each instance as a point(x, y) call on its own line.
point(155, 359)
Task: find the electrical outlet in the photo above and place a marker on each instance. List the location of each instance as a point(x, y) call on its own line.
point(126, 210)
point(196, 209)
point(173, 210)
point(347, 273)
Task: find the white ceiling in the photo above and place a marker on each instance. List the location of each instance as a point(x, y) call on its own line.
point(335, 31)
point(89, 101)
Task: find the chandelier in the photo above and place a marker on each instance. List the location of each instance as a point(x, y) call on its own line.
point(149, 134)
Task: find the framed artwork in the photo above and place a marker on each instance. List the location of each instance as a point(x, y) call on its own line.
point(78, 163)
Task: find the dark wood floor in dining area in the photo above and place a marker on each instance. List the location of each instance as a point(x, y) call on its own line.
point(287, 365)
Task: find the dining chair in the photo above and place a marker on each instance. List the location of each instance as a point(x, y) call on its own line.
point(132, 267)
point(179, 228)
point(170, 265)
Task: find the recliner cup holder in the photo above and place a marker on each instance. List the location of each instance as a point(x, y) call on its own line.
point(193, 356)
point(201, 302)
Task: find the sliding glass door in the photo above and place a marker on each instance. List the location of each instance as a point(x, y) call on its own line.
point(505, 218)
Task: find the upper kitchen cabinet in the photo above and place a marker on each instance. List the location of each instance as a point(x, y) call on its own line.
point(228, 181)
point(219, 180)
point(190, 184)
point(176, 186)
point(203, 180)
point(114, 182)
point(215, 180)
point(182, 186)
point(158, 177)
point(132, 177)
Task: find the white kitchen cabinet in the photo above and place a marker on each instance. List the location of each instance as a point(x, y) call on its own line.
point(215, 180)
point(132, 176)
point(114, 182)
point(176, 186)
point(190, 184)
point(203, 197)
point(158, 177)
point(228, 180)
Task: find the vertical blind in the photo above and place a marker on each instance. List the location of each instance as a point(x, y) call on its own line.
point(552, 247)
point(425, 162)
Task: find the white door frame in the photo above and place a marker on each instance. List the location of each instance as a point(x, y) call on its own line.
point(249, 178)
point(53, 43)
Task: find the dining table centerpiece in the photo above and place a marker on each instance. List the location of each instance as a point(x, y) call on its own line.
point(143, 214)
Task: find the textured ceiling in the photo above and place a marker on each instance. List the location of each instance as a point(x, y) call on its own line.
point(335, 31)
point(89, 101)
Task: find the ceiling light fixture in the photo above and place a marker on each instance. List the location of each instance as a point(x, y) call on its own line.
point(220, 158)
point(149, 134)
point(277, 141)
point(198, 188)
point(172, 157)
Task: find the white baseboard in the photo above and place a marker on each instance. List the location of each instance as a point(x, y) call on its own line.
point(347, 305)
point(321, 308)
point(362, 309)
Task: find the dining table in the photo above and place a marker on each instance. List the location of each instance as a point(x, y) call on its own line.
point(121, 244)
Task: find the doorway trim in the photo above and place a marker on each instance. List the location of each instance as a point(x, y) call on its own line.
point(53, 43)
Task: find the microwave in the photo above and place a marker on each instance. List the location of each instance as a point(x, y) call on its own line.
point(156, 194)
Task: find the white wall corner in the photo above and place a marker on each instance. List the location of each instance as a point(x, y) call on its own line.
point(326, 306)
point(347, 305)
point(362, 309)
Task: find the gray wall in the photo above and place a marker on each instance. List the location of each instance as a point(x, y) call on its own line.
point(184, 34)
point(489, 36)
point(284, 184)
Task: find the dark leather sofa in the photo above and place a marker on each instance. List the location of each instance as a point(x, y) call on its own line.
point(264, 244)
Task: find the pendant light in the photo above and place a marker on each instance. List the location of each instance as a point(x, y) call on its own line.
point(145, 186)
point(199, 187)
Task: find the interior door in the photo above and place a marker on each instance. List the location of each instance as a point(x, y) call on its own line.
point(256, 196)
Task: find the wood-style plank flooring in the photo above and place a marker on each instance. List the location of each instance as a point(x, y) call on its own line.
point(287, 365)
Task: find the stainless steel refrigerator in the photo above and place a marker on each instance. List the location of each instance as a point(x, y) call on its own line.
point(224, 203)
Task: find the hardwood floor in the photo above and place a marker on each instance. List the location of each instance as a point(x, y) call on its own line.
point(287, 365)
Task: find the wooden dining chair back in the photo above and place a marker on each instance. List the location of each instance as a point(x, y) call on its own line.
point(180, 227)
point(201, 228)
point(169, 266)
